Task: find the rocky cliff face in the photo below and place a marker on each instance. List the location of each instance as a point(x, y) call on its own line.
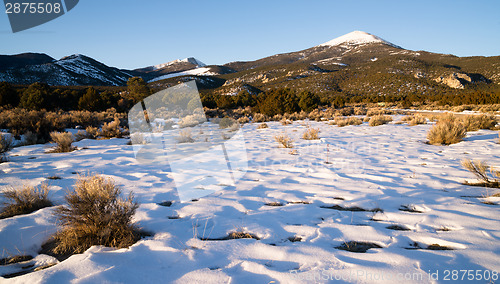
point(455, 80)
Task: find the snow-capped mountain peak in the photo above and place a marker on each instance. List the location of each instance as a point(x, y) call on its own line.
point(356, 38)
point(194, 61)
point(191, 60)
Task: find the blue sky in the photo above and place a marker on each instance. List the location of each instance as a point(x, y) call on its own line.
point(133, 33)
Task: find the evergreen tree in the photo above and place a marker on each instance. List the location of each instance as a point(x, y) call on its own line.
point(34, 97)
point(308, 101)
point(137, 89)
point(244, 98)
point(8, 96)
point(278, 101)
point(91, 101)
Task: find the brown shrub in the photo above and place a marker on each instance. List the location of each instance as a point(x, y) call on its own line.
point(479, 169)
point(30, 138)
point(341, 122)
point(5, 146)
point(63, 141)
point(311, 134)
point(259, 117)
point(185, 136)
point(24, 200)
point(448, 130)
point(262, 126)
point(95, 214)
point(414, 119)
point(227, 122)
point(243, 120)
point(379, 119)
point(112, 130)
point(481, 121)
point(285, 121)
point(284, 141)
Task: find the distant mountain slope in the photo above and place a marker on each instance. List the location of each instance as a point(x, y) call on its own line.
point(23, 59)
point(70, 70)
point(360, 63)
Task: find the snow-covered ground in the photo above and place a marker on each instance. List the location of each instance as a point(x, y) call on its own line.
point(383, 167)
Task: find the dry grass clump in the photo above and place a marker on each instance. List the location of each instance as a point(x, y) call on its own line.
point(375, 111)
point(285, 121)
point(112, 130)
point(92, 132)
point(448, 130)
point(262, 126)
point(311, 134)
point(379, 119)
point(63, 141)
point(259, 117)
point(30, 138)
point(192, 120)
point(24, 200)
point(414, 119)
point(89, 133)
point(480, 170)
point(185, 136)
point(341, 122)
point(243, 120)
point(5, 146)
point(481, 121)
point(95, 214)
point(226, 122)
point(284, 141)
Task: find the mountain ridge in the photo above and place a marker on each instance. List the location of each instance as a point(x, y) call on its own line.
point(354, 59)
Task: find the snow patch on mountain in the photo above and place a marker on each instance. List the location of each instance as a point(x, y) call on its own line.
point(86, 66)
point(203, 71)
point(356, 38)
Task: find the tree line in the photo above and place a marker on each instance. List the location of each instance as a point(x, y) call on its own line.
point(40, 96)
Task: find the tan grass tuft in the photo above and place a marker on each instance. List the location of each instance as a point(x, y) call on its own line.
point(284, 141)
point(311, 134)
point(24, 200)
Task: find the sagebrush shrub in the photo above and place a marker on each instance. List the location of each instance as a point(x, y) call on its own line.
point(63, 141)
point(111, 130)
point(448, 130)
point(259, 117)
point(285, 121)
point(311, 134)
point(481, 121)
point(5, 146)
point(374, 111)
point(262, 126)
point(191, 120)
point(243, 120)
point(92, 132)
point(185, 136)
point(416, 120)
point(24, 200)
point(379, 119)
point(95, 214)
point(284, 141)
point(480, 170)
point(226, 122)
point(341, 122)
point(30, 138)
